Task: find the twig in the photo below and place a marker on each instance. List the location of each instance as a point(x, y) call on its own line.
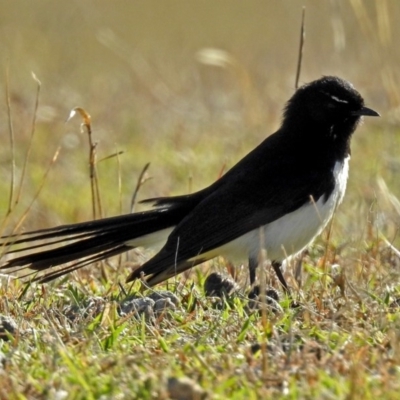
point(94, 183)
point(116, 154)
point(139, 184)
point(221, 171)
point(120, 200)
point(119, 180)
point(24, 215)
point(301, 47)
point(263, 300)
point(12, 144)
point(28, 152)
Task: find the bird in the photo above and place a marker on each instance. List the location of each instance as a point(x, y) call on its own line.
point(278, 198)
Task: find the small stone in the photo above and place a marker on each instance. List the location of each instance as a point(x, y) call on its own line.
point(7, 327)
point(138, 306)
point(270, 293)
point(271, 298)
point(3, 359)
point(395, 304)
point(164, 294)
point(91, 307)
point(162, 305)
point(185, 389)
point(218, 285)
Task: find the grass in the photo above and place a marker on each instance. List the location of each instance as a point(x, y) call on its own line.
point(134, 70)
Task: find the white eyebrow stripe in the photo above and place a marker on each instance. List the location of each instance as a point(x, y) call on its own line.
point(338, 100)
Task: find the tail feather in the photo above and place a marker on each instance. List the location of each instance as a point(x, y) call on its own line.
point(53, 274)
point(142, 221)
point(64, 254)
point(46, 251)
point(47, 254)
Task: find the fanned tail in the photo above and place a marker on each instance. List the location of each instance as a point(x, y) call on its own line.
point(48, 253)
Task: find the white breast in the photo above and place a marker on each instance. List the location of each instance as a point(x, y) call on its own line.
point(295, 231)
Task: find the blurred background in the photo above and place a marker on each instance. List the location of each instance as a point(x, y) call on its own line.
point(190, 87)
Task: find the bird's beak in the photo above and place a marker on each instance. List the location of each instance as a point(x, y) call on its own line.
point(366, 111)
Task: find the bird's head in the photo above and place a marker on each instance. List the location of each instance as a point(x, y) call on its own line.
point(328, 101)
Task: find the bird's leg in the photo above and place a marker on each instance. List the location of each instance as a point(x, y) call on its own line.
point(276, 265)
point(253, 263)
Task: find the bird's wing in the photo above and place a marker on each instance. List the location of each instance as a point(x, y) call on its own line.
point(239, 205)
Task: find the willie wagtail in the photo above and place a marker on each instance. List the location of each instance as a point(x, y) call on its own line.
point(284, 191)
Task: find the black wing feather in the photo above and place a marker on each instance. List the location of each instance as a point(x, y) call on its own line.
point(241, 204)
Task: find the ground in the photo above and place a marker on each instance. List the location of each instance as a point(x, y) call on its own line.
point(190, 88)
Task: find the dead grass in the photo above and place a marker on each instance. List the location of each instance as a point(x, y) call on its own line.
point(133, 68)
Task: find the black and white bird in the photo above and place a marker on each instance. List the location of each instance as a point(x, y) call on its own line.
point(284, 191)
